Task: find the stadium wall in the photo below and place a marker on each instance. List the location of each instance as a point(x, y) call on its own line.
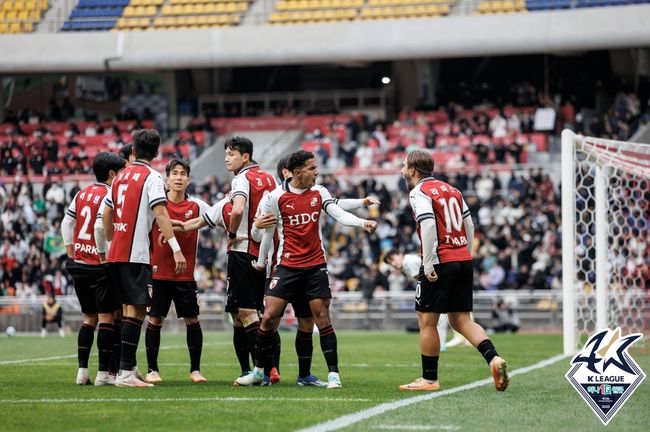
point(253, 45)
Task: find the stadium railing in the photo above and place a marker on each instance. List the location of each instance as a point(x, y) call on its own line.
point(538, 310)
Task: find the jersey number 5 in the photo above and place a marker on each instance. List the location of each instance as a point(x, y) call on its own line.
point(121, 191)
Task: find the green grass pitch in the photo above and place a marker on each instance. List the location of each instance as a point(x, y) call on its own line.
point(37, 390)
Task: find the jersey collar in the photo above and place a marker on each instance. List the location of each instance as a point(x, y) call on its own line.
point(141, 162)
point(247, 167)
point(102, 184)
point(425, 179)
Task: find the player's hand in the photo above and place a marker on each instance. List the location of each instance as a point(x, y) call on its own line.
point(161, 239)
point(368, 201)
point(257, 267)
point(431, 277)
point(265, 221)
point(370, 226)
point(179, 259)
point(102, 258)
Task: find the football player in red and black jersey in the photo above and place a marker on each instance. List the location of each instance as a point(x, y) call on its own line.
point(445, 282)
point(97, 295)
point(170, 286)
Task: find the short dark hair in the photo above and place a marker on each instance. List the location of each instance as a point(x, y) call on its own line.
point(421, 161)
point(174, 163)
point(391, 253)
point(104, 162)
point(298, 159)
point(241, 144)
point(125, 151)
point(282, 165)
point(146, 143)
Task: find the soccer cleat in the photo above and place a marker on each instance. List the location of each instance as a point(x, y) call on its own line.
point(61, 332)
point(43, 332)
point(153, 377)
point(275, 376)
point(310, 380)
point(138, 375)
point(421, 384)
point(498, 367)
point(266, 382)
point(82, 377)
point(334, 381)
point(129, 379)
point(104, 378)
point(255, 377)
point(195, 376)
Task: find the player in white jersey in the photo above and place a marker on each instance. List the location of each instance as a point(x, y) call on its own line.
point(410, 265)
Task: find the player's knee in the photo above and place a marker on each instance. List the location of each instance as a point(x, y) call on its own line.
point(191, 320)
point(156, 320)
point(305, 324)
point(90, 319)
point(248, 317)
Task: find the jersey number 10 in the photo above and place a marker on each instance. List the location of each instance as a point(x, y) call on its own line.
point(453, 214)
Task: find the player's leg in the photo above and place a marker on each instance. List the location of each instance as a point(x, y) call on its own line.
point(161, 298)
point(82, 278)
point(186, 300)
point(59, 321)
point(114, 365)
point(460, 307)
point(133, 281)
point(304, 341)
point(239, 341)
point(265, 341)
point(443, 325)
point(107, 301)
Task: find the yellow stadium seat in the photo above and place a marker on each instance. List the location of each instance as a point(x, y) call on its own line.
point(150, 10)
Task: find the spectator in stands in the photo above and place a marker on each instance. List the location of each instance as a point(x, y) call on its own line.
point(505, 318)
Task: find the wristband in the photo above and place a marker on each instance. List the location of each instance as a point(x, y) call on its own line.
point(232, 235)
point(173, 243)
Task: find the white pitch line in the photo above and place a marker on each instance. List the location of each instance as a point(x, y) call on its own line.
point(418, 427)
point(42, 359)
point(188, 399)
point(353, 418)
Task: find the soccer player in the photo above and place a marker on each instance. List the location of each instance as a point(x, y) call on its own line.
point(137, 197)
point(167, 285)
point(300, 303)
point(444, 285)
point(301, 261)
point(245, 287)
point(97, 295)
point(409, 264)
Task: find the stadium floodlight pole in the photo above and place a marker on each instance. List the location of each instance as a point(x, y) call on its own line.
point(568, 243)
point(602, 283)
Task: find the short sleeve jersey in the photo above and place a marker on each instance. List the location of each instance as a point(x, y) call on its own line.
point(134, 193)
point(252, 183)
point(299, 232)
point(84, 209)
point(162, 257)
point(435, 199)
point(219, 214)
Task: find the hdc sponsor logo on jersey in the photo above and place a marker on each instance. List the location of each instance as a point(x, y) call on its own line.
point(302, 218)
point(604, 374)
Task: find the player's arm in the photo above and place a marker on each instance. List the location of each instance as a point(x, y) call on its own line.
point(423, 209)
point(469, 226)
point(101, 243)
point(349, 204)
point(270, 208)
point(348, 219)
point(192, 224)
point(68, 226)
point(262, 221)
point(239, 197)
point(165, 225)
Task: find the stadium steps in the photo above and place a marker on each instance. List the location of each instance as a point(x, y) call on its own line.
point(55, 16)
point(259, 12)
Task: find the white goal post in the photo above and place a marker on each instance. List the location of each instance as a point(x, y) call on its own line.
point(605, 216)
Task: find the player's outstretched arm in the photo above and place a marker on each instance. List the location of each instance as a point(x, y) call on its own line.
point(349, 204)
point(165, 225)
point(260, 225)
point(348, 219)
point(192, 224)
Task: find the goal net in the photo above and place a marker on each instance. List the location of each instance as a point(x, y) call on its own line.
point(605, 236)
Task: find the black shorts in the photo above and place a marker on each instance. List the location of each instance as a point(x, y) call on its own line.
point(291, 283)
point(245, 285)
point(185, 295)
point(299, 302)
point(452, 292)
point(94, 287)
point(133, 281)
